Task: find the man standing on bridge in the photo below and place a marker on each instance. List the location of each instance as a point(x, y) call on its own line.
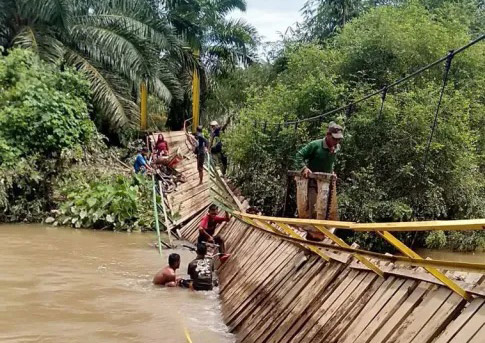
point(207, 229)
point(318, 156)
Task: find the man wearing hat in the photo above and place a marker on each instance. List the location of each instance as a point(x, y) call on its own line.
point(320, 155)
point(216, 145)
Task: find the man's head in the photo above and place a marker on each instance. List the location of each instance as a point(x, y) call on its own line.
point(334, 133)
point(213, 210)
point(199, 129)
point(144, 151)
point(174, 261)
point(214, 125)
point(201, 249)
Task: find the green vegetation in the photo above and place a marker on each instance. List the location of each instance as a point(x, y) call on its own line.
point(381, 167)
point(43, 113)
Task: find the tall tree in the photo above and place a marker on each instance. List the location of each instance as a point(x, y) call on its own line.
point(115, 43)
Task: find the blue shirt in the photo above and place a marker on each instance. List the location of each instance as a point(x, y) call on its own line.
point(140, 163)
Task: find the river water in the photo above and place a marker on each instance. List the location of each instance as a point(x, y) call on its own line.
point(64, 285)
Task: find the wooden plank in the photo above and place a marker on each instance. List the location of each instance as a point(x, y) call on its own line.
point(356, 311)
point(327, 332)
point(269, 274)
point(471, 328)
point(401, 314)
point(330, 307)
point(420, 316)
point(375, 304)
point(445, 314)
point(304, 300)
point(392, 305)
point(314, 311)
point(281, 300)
point(479, 337)
point(267, 289)
point(456, 325)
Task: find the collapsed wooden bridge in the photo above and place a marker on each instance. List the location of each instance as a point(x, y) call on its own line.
point(279, 287)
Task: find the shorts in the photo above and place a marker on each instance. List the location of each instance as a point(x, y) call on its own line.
point(200, 162)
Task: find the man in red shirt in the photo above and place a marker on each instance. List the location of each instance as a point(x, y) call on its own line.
point(207, 229)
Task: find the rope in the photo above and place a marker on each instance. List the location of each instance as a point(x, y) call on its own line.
point(386, 88)
point(435, 121)
point(383, 99)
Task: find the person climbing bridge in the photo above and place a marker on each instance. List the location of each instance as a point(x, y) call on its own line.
point(201, 270)
point(207, 229)
point(320, 155)
point(141, 164)
point(167, 276)
point(216, 145)
point(200, 150)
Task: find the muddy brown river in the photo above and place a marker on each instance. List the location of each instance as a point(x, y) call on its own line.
point(64, 285)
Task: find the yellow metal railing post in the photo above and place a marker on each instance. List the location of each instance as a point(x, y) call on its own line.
point(195, 96)
point(143, 105)
point(342, 243)
point(433, 271)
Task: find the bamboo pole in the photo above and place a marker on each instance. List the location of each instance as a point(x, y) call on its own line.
point(155, 214)
point(165, 212)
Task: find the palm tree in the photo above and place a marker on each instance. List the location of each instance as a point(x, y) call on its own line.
point(223, 43)
point(116, 43)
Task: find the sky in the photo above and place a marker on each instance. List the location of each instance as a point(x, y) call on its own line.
point(271, 16)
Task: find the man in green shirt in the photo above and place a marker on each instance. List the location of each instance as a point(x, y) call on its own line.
point(320, 155)
point(317, 157)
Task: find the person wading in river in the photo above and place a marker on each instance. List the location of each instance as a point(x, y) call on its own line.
point(207, 228)
point(201, 270)
point(166, 276)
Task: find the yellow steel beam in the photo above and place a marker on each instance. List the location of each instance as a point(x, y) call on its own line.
point(435, 272)
point(342, 243)
point(451, 225)
point(290, 232)
point(445, 225)
point(195, 97)
point(298, 221)
point(143, 106)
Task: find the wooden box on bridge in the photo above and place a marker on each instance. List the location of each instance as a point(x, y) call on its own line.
point(316, 196)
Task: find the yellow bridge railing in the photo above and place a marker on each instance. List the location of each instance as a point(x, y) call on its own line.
point(291, 229)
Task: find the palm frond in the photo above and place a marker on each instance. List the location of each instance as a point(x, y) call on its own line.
point(40, 40)
point(110, 93)
point(54, 12)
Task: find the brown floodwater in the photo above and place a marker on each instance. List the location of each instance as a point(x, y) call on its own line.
point(472, 257)
point(65, 285)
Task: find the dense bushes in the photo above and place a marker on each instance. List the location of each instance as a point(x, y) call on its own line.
point(381, 168)
point(43, 113)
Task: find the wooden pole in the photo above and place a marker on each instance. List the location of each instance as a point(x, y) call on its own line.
point(143, 106)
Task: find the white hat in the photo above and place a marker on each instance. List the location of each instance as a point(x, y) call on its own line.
point(213, 123)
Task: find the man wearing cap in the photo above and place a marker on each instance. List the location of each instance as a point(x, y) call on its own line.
point(216, 145)
point(320, 155)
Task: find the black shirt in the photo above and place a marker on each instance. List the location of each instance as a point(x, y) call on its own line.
point(200, 271)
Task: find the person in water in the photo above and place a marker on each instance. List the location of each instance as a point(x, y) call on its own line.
point(167, 276)
point(141, 164)
point(207, 229)
point(201, 270)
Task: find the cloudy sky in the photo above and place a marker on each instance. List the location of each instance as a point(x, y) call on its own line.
point(271, 16)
